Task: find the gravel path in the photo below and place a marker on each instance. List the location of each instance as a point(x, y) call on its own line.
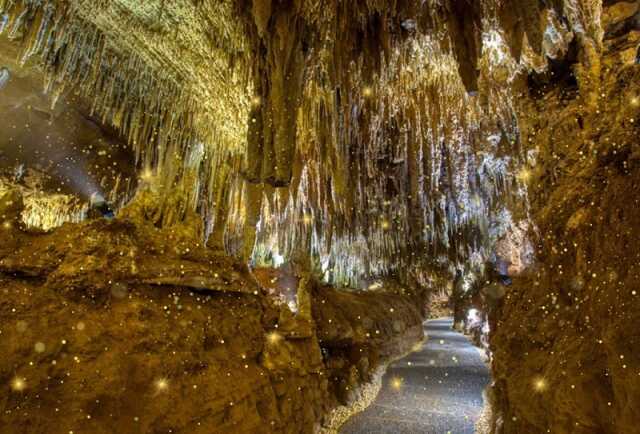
point(437, 390)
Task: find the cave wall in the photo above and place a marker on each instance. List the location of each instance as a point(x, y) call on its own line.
point(57, 135)
point(120, 326)
point(373, 137)
point(566, 337)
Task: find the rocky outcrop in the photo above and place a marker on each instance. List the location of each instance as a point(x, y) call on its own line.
point(122, 326)
point(358, 332)
point(566, 339)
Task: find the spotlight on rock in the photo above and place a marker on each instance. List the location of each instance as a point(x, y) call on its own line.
point(99, 207)
point(4, 77)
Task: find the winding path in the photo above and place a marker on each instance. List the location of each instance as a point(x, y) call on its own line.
point(437, 390)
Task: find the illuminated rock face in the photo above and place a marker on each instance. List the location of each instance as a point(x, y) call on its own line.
point(565, 347)
point(364, 135)
point(58, 153)
point(129, 328)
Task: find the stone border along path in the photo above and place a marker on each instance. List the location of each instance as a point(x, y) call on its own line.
point(436, 390)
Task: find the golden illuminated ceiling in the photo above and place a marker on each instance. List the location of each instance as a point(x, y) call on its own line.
point(375, 135)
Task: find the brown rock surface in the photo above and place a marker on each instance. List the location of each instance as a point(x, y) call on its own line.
point(119, 326)
point(566, 342)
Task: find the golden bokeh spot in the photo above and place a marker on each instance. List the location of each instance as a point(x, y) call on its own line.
point(524, 175)
point(256, 101)
point(274, 337)
point(396, 383)
point(146, 175)
point(540, 384)
point(161, 385)
point(18, 384)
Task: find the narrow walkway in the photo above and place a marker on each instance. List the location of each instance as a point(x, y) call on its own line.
point(437, 390)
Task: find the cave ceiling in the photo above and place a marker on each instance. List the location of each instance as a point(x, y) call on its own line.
point(376, 135)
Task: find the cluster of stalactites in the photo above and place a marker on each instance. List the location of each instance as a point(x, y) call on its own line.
point(174, 136)
point(397, 158)
point(380, 136)
point(123, 90)
point(43, 211)
point(308, 37)
point(410, 168)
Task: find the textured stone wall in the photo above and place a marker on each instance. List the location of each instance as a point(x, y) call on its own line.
point(118, 326)
point(566, 335)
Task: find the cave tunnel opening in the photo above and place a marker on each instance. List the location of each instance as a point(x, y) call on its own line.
point(53, 148)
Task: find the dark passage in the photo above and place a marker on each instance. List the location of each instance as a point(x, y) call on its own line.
point(436, 390)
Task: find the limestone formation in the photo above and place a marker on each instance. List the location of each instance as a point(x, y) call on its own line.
point(297, 184)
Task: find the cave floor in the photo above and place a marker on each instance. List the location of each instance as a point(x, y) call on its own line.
point(436, 390)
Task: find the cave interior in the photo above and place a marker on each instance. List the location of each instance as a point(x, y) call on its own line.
point(232, 216)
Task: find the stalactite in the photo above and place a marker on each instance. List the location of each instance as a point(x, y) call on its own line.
point(369, 122)
point(369, 130)
point(279, 65)
point(42, 211)
point(253, 204)
point(153, 109)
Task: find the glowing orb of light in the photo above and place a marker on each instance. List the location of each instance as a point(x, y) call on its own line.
point(274, 337)
point(540, 384)
point(256, 101)
point(18, 384)
point(146, 175)
point(367, 92)
point(635, 101)
point(524, 175)
point(161, 385)
point(396, 383)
